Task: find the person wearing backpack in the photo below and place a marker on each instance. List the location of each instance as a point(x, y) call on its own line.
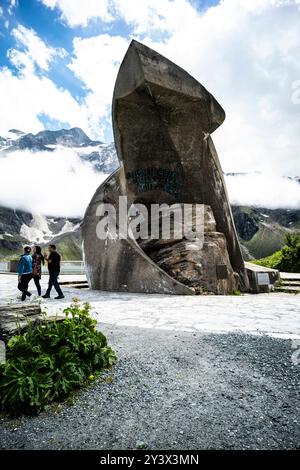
point(25, 272)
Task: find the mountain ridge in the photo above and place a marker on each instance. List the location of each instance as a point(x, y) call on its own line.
point(101, 155)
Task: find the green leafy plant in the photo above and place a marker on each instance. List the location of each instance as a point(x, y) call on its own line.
point(236, 292)
point(290, 261)
point(51, 360)
point(287, 259)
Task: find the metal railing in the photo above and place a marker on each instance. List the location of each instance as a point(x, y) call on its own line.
point(66, 267)
point(4, 266)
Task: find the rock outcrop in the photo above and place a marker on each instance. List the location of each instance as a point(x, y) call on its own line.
point(16, 318)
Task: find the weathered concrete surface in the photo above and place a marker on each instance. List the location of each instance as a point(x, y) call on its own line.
point(120, 265)
point(162, 119)
point(254, 271)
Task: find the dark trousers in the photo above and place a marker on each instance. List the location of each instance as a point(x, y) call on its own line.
point(37, 284)
point(53, 282)
point(23, 285)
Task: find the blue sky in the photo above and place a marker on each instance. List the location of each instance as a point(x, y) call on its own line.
point(55, 32)
point(59, 60)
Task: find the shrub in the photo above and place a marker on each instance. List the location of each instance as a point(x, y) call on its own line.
point(287, 259)
point(236, 292)
point(271, 261)
point(52, 359)
point(290, 261)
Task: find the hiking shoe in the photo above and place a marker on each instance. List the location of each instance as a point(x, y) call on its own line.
point(59, 297)
point(46, 296)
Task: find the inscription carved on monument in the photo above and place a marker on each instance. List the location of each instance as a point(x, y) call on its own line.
point(153, 179)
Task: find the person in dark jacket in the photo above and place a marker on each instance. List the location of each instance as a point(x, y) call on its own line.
point(37, 261)
point(54, 269)
point(25, 272)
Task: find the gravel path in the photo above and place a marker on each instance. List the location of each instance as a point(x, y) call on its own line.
point(177, 390)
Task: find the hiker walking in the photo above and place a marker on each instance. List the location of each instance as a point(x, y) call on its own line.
point(37, 261)
point(54, 269)
point(25, 272)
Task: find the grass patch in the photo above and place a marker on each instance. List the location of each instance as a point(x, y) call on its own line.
point(236, 292)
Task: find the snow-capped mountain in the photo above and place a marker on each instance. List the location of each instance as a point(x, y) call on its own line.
point(18, 228)
point(42, 229)
point(102, 156)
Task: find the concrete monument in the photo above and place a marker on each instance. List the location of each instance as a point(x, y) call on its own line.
point(162, 121)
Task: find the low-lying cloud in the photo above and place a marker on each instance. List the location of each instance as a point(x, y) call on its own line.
point(54, 183)
point(61, 184)
point(264, 190)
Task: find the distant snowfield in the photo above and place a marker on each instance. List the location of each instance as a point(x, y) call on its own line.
point(263, 190)
point(39, 231)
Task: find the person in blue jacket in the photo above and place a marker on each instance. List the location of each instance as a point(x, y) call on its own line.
point(25, 272)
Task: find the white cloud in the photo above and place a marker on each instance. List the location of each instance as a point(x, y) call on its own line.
point(36, 51)
point(24, 97)
point(246, 53)
point(79, 13)
point(143, 15)
point(96, 62)
point(36, 182)
point(4, 20)
point(12, 5)
point(155, 15)
point(263, 190)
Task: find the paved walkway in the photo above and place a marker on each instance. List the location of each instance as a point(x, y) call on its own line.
point(276, 314)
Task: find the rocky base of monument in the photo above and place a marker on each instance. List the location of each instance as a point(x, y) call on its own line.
point(15, 318)
point(202, 265)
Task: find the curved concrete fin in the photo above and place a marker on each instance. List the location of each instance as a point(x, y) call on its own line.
point(143, 65)
point(162, 121)
point(121, 265)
